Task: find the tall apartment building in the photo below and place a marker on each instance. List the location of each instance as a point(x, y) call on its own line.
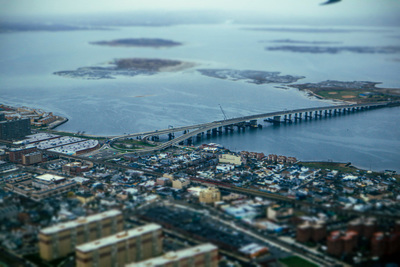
point(134, 245)
point(59, 240)
point(15, 129)
point(205, 255)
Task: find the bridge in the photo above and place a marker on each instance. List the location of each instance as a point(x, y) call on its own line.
point(286, 116)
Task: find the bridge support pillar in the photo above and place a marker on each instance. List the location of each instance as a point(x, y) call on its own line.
point(277, 120)
point(241, 126)
point(208, 133)
point(171, 136)
point(189, 141)
point(287, 118)
point(198, 136)
point(298, 116)
point(228, 128)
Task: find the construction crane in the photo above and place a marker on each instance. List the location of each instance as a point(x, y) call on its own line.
point(225, 117)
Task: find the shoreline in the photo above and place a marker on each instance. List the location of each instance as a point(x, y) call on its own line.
point(52, 127)
point(313, 94)
point(353, 92)
point(183, 65)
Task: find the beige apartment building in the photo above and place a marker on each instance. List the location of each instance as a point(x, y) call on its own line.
point(133, 245)
point(231, 159)
point(210, 195)
point(61, 239)
point(205, 255)
point(180, 183)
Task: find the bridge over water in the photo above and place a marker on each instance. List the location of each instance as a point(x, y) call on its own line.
point(285, 116)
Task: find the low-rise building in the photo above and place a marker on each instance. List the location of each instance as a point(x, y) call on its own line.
point(15, 154)
point(40, 187)
point(279, 213)
point(32, 158)
point(210, 195)
point(231, 159)
point(180, 183)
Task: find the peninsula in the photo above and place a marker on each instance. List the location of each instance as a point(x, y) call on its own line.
point(355, 91)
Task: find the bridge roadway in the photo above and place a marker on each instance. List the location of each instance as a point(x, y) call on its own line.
point(204, 127)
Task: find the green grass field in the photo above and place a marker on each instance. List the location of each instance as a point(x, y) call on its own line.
point(296, 261)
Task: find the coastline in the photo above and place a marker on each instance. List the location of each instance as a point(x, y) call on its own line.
point(313, 94)
point(58, 122)
point(181, 66)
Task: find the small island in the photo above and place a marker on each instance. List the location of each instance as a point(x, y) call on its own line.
point(355, 91)
point(126, 67)
point(138, 42)
point(290, 41)
point(251, 76)
point(336, 49)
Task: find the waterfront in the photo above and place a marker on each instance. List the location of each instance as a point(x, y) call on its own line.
point(127, 105)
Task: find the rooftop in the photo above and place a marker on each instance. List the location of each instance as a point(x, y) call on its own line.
point(121, 236)
point(175, 256)
point(50, 177)
point(83, 220)
point(75, 147)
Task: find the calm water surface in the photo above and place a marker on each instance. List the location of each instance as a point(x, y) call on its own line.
point(132, 104)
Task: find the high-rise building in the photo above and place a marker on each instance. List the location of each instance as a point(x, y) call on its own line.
point(59, 240)
point(15, 129)
point(133, 245)
point(199, 256)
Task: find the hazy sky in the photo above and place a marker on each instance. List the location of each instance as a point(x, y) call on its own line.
point(374, 9)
